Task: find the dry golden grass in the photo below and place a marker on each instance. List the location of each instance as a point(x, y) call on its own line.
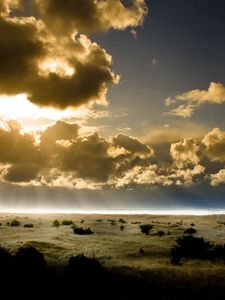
point(109, 243)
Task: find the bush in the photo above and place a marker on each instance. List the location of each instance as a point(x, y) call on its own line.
point(121, 227)
point(30, 263)
point(113, 222)
point(192, 224)
point(67, 222)
point(56, 223)
point(189, 246)
point(122, 221)
point(145, 228)
point(82, 231)
point(28, 226)
point(99, 220)
point(161, 233)
point(85, 271)
point(190, 231)
point(15, 223)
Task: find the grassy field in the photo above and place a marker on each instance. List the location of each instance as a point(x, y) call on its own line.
point(144, 259)
point(109, 243)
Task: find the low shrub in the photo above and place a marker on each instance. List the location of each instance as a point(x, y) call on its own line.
point(82, 231)
point(15, 223)
point(67, 222)
point(190, 231)
point(160, 233)
point(28, 225)
point(122, 221)
point(121, 227)
point(146, 228)
point(56, 223)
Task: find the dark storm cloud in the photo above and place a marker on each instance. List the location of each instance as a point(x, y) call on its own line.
point(22, 172)
point(20, 50)
point(39, 55)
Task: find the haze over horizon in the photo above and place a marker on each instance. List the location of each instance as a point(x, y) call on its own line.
point(115, 104)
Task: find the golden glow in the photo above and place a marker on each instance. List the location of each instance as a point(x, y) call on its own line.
point(57, 66)
point(32, 116)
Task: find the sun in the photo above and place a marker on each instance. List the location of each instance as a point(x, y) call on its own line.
point(33, 117)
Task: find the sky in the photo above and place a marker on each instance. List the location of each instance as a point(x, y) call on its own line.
point(112, 104)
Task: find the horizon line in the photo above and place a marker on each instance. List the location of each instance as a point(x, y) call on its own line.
point(183, 211)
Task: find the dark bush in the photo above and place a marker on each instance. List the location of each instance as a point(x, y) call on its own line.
point(113, 222)
point(192, 247)
point(82, 264)
point(99, 220)
point(146, 228)
point(121, 227)
point(122, 221)
point(82, 221)
point(161, 233)
point(219, 251)
point(56, 223)
point(15, 223)
point(5, 260)
point(28, 226)
point(82, 231)
point(67, 222)
point(190, 231)
point(30, 263)
point(192, 224)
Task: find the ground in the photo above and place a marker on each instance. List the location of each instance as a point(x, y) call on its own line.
point(109, 243)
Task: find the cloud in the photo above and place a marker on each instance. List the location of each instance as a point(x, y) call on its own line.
point(90, 15)
point(87, 157)
point(56, 132)
point(215, 94)
point(19, 154)
point(132, 145)
point(218, 178)
point(60, 156)
point(214, 143)
point(185, 152)
point(185, 111)
point(45, 55)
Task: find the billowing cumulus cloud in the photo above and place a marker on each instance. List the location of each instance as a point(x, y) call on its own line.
point(91, 15)
point(55, 63)
point(218, 178)
point(131, 144)
point(214, 143)
point(185, 152)
point(61, 156)
point(19, 154)
point(215, 94)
